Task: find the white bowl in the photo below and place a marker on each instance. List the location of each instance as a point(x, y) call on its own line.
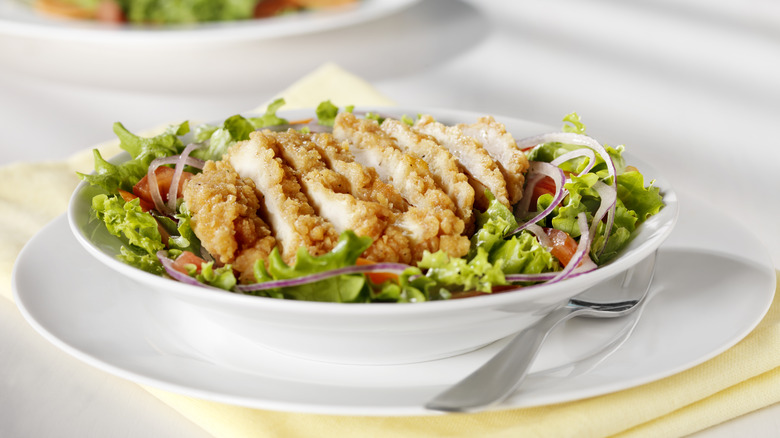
point(371, 333)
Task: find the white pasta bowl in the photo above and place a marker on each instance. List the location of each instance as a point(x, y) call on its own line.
point(366, 333)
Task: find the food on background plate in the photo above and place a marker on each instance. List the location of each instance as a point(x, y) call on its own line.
point(362, 207)
point(180, 12)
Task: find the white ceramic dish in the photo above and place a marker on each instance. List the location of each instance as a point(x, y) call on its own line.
point(18, 18)
point(107, 321)
point(376, 333)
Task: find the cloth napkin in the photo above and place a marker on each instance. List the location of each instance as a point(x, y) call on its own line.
point(741, 380)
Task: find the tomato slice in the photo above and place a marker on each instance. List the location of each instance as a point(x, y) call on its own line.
point(545, 186)
point(164, 176)
point(376, 277)
point(127, 196)
point(187, 258)
point(563, 246)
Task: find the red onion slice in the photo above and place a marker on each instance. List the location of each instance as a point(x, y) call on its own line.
point(583, 248)
point(154, 188)
point(173, 191)
point(396, 268)
point(608, 195)
point(570, 138)
point(557, 175)
point(541, 236)
point(178, 275)
point(584, 152)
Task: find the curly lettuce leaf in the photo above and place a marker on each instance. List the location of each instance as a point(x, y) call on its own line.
point(269, 118)
point(142, 150)
point(456, 274)
point(137, 229)
point(341, 289)
point(523, 254)
point(220, 138)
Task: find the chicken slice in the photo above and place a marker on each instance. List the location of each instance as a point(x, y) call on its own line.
point(482, 169)
point(430, 221)
point(293, 220)
point(443, 166)
point(329, 193)
point(409, 174)
point(500, 144)
point(224, 216)
point(364, 182)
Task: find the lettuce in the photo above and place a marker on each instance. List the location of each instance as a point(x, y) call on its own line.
point(453, 273)
point(142, 150)
point(136, 228)
point(635, 202)
point(521, 254)
point(343, 289)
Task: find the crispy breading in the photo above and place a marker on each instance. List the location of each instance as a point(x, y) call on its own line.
point(500, 144)
point(329, 193)
point(293, 220)
point(430, 222)
point(443, 166)
point(224, 216)
point(364, 182)
point(482, 169)
point(409, 174)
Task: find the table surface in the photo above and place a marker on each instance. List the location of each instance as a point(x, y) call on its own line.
point(689, 86)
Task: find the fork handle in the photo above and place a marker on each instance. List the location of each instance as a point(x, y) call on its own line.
point(503, 373)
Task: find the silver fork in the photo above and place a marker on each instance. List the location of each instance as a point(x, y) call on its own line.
point(501, 376)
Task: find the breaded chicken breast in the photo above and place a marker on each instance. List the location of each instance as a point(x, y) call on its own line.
point(443, 167)
point(293, 220)
point(430, 222)
point(224, 216)
point(500, 144)
point(482, 169)
point(329, 193)
point(409, 174)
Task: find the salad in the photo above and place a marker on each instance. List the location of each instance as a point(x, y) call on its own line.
point(575, 206)
point(180, 12)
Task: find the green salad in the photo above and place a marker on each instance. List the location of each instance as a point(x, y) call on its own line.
point(581, 206)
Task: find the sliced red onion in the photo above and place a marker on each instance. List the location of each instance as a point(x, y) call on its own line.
point(173, 191)
point(178, 275)
point(583, 152)
point(396, 268)
point(154, 188)
point(583, 248)
point(608, 195)
point(570, 138)
point(538, 231)
point(557, 175)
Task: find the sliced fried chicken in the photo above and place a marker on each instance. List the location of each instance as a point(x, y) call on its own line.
point(293, 220)
point(442, 164)
point(409, 174)
point(500, 144)
point(430, 222)
point(329, 193)
point(224, 216)
point(482, 169)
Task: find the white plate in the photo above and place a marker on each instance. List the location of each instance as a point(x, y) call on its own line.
point(90, 312)
point(18, 18)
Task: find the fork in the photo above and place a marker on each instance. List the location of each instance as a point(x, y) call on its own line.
point(503, 374)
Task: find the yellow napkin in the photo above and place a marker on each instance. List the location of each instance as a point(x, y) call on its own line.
point(741, 380)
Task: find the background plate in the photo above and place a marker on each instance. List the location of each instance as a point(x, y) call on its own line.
point(18, 18)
